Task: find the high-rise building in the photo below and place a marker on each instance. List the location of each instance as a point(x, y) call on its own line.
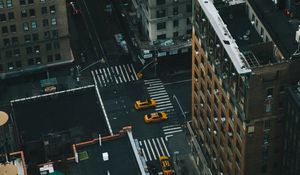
point(244, 56)
point(291, 148)
point(34, 36)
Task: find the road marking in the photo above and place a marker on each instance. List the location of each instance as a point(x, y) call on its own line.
point(110, 77)
point(165, 146)
point(158, 89)
point(167, 136)
point(119, 76)
point(151, 149)
point(151, 80)
point(164, 105)
point(170, 129)
point(163, 102)
point(102, 77)
point(144, 155)
point(155, 95)
point(163, 99)
point(155, 147)
point(134, 72)
point(155, 84)
point(170, 126)
point(114, 74)
point(168, 107)
point(157, 92)
point(153, 87)
point(171, 132)
point(106, 77)
point(129, 68)
point(120, 67)
point(159, 97)
point(145, 143)
point(162, 151)
point(126, 72)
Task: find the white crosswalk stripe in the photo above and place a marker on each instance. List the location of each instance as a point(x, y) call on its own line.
point(171, 129)
point(114, 75)
point(155, 147)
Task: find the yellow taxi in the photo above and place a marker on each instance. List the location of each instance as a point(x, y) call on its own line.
point(144, 104)
point(155, 117)
point(166, 165)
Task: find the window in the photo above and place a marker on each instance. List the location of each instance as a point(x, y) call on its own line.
point(1, 4)
point(4, 29)
point(30, 1)
point(175, 23)
point(160, 2)
point(189, 8)
point(31, 12)
point(47, 35)
point(44, 10)
point(52, 9)
point(160, 13)
point(266, 138)
point(43, 0)
point(28, 50)
point(6, 42)
point(175, 34)
point(1, 68)
point(56, 45)
point(15, 40)
point(24, 13)
point(281, 89)
point(33, 25)
point(9, 4)
point(17, 52)
point(13, 28)
point(55, 34)
point(11, 15)
point(265, 153)
point(10, 65)
point(2, 17)
point(49, 58)
point(163, 36)
point(161, 25)
point(38, 60)
point(267, 124)
point(27, 38)
point(30, 61)
point(53, 21)
point(48, 46)
point(269, 92)
point(57, 56)
point(45, 22)
point(8, 53)
point(22, 2)
point(35, 36)
point(175, 11)
point(188, 21)
point(25, 26)
point(18, 64)
point(37, 49)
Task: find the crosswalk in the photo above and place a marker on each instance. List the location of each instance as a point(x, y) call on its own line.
point(169, 130)
point(157, 91)
point(114, 75)
point(153, 148)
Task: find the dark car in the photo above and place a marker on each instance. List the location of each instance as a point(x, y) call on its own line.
point(75, 8)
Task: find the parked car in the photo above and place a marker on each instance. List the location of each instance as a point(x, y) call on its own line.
point(155, 117)
point(75, 8)
point(144, 104)
point(166, 165)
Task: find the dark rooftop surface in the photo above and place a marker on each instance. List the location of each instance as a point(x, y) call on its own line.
point(60, 112)
point(121, 159)
point(281, 28)
point(239, 25)
point(295, 95)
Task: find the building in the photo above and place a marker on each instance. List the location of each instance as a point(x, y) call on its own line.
point(165, 26)
point(242, 62)
point(291, 149)
point(34, 36)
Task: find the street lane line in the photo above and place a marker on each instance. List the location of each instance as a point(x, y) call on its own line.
point(120, 67)
point(171, 132)
point(126, 72)
point(170, 129)
point(155, 147)
point(162, 151)
point(165, 146)
point(145, 143)
point(157, 92)
point(134, 72)
point(168, 107)
point(153, 87)
point(163, 102)
point(170, 126)
point(155, 95)
point(154, 157)
point(158, 89)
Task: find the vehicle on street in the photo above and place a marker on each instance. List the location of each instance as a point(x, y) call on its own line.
point(75, 8)
point(155, 117)
point(50, 89)
point(144, 104)
point(166, 165)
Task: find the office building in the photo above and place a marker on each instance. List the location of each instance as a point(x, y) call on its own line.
point(34, 36)
point(242, 62)
point(291, 148)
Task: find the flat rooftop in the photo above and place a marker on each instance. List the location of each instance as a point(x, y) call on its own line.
point(281, 28)
point(240, 26)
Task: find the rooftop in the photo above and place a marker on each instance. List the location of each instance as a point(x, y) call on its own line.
point(282, 30)
point(294, 91)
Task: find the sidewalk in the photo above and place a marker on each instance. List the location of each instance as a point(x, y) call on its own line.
point(184, 163)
